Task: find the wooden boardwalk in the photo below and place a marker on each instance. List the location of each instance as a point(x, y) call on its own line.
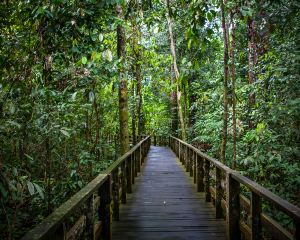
point(165, 204)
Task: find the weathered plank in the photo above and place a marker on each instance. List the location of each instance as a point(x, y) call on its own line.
point(165, 204)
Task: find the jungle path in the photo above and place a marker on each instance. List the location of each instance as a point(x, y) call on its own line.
point(165, 204)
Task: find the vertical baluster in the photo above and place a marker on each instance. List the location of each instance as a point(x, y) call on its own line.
point(179, 150)
point(207, 180)
point(123, 182)
point(195, 166)
point(89, 213)
point(200, 174)
point(255, 212)
point(129, 173)
point(115, 192)
point(297, 228)
point(191, 154)
point(218, 197)
point(233, 208)
point(104, 210)
point(137, 160)
point(187, 160)
point(133, 166)
point(143, 153)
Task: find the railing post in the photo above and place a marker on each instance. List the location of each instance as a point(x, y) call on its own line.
point(129, 174)
point(133, 167)
point(115, 193)
point(123, 182)
point(184, 155)
point(207, 180)
point(200, 174)
point(144, 152)
point(137, 160)
point(179, 152)
point(218, 197)
point(233, 208)
point(195, 167)
point(89, 226)
point(297, 229)
point(104, 210)
point(255, 212)
point(191, 161)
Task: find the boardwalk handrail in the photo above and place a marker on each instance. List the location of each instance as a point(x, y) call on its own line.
point(252, 220)
point(101, 196)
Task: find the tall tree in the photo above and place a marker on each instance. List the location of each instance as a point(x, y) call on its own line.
point(233, 88)
point(225, 83)
point(176, 71)
point(252, 60)
point(123, 95)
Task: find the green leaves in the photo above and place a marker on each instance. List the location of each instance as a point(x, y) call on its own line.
point(32, 187)
point(108, 55)
point(84, 60)
point(64, 132)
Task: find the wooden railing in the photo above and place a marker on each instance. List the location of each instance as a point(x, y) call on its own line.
point(97, 204)
point(222, 186)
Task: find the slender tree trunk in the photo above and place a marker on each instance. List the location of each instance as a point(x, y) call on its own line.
point(226, 79)
point(123, 98)
point(252, 60)
point(133, 116)
point(233, 165)
point(193, 110)
point(176, 73)
point(137, 55)
point(174, 109)
point(139, 96)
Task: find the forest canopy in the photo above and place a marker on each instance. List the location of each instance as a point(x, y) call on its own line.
point(82, 80)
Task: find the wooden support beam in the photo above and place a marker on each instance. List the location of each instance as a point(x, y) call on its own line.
point(200, 174)
point(219, 195)
point(233, 208)
point(104, 210)
point(129, 174)
point(123, 182)
point(115, 194)
point(207, 180)
point(255, 212)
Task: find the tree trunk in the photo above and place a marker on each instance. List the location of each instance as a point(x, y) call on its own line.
point(123, 98)
point(252, 60)
point(133, 116)
point(226, 78)
point(233, 165)
point(174, 109)
point(176, 73)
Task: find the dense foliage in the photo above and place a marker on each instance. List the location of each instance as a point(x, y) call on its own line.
point(60, 71)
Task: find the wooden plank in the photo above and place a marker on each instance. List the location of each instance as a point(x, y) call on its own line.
point(165, 204)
